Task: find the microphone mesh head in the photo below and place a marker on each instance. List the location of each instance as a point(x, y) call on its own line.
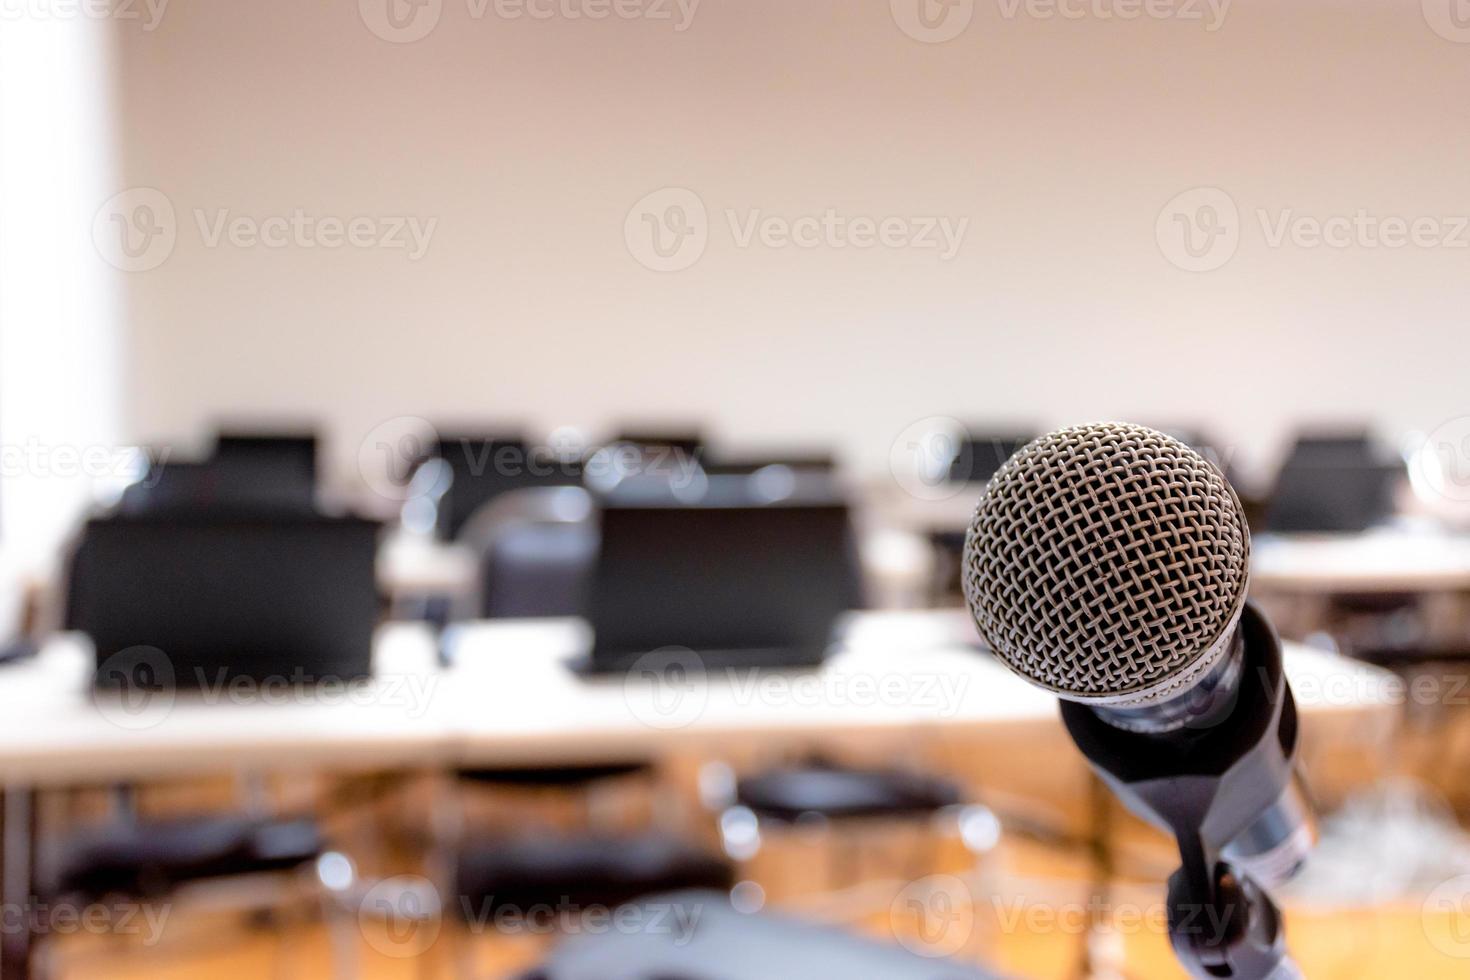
point(1107, 563)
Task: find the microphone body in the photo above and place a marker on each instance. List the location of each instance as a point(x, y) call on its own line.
point(1109, 564)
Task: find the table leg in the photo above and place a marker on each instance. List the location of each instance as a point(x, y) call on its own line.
point(17, 853)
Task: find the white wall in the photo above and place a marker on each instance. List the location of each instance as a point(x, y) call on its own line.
point(1060, 140)
point(60, 360)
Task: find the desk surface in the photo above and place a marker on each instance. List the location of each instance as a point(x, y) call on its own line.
point(510, 698)
point(1375, 561)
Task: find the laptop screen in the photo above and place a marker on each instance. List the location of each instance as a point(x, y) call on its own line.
point(226, 598)
point(722, 578)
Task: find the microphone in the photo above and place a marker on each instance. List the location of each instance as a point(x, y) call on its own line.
point(1108, 564)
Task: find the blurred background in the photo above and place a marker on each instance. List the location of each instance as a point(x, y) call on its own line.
point(381, 382)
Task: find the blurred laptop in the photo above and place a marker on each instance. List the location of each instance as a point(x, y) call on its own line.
point(740, 584)
point(221, 598)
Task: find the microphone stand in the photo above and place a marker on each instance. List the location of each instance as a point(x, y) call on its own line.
point(1210, 787)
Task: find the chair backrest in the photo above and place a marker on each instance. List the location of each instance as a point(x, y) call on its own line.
point(231, 486)
point(481, 468)
point(536, 547)
point(978, 457)
point(721, 576)
point(219, 598)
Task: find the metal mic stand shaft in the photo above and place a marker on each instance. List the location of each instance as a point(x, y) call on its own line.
point(1228, 795)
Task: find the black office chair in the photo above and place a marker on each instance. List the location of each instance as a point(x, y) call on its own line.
point(856, 813)
point(536, 547)
point(480, 468)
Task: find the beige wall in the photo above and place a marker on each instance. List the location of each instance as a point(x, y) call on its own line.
point(1059, 140)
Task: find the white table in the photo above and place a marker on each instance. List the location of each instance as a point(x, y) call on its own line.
point(510, 696)
point(1374, 561)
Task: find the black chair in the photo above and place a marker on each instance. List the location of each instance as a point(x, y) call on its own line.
point(860, 810)
point(174, 601)
point(126, 863)
point(980, 454)
point(582, 871)
point(536, 548)
point(480, 468)
point(248, 474)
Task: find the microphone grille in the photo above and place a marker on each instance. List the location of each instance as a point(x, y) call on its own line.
point(1107, 563)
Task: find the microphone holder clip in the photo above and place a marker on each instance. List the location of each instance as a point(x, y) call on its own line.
point(1207, 786)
